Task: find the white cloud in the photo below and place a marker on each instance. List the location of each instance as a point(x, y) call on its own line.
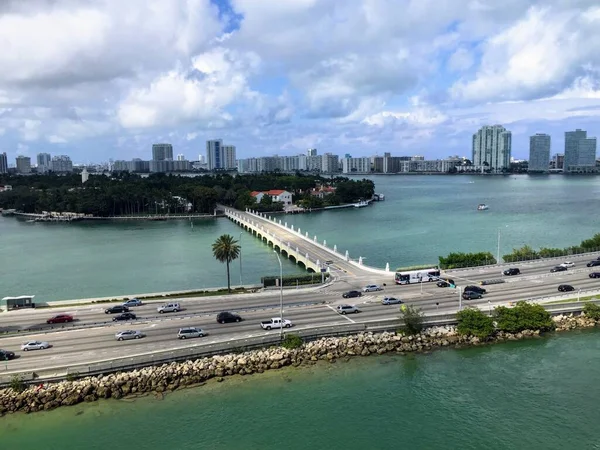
point(461, 60)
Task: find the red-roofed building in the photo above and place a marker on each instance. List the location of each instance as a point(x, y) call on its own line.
point(278, 195)
point(322, 191)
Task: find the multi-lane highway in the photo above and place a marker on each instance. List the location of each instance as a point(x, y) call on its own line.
point(91, 337)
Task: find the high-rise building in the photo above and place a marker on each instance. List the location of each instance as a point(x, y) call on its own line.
point(229, 157)
point(559, 161)
point(3, 163)
point(492, 148)
point(539, 153)
point(330, 163)
point(201, 159)
point(162, 152)
point(311, 152)
point(214, 154)
point(580, 152)
point(180, 157)
point(61, 164)
point(359, 165)
point(43, 162)
point(23, 164)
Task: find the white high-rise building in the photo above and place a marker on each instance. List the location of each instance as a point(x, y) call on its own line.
point(43, 162)
point(358, 165)
point(330, 163)
point(539, 153)
point(229, 157)
point(311, 152)
point(492, 148)
point(180, 157)
point(580, 152)
point(219, 156)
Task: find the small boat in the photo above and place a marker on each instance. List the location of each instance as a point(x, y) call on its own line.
point(361, 204)
point(482, 207)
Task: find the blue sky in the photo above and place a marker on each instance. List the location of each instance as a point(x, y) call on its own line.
point(105, 79)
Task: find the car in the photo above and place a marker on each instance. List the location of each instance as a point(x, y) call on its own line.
point(372, 288)
point(116, 309)
point(34, 345)
point(565, 288)
point(190, 332)
point(124, 316)
point(329, 262)
point(226, 317)
point(6, 355)
point(593, 263)
point(128, 334)
point(471, 295)
point(512, 271)
point(347, 309)
point(477, 289)
point(133, 302)
point(445, 282)
point(169, 307)
point(594, 275)
point(558, 269)
point(568, 264)
point(60, 318)
point(276, 322)
point(352, 294)
point(391, 301)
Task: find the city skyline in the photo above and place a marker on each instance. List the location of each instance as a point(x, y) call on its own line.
point(363, 82)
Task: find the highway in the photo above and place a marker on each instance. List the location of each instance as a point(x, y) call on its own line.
point(91, 337)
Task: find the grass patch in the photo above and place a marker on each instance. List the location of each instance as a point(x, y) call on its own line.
point(573, 300)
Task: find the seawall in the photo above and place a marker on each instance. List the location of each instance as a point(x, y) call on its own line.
point(169, 377)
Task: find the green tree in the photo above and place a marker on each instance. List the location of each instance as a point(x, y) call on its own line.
point(524, 253)
point(226, 249)
point(412, 318)
point(458, 259)
point(592, 310)
point(523, 316)
point(472, 321)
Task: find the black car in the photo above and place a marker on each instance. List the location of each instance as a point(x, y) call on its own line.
point(477, 289)
point(471, 295)
point(116, 309)
point(512, 271)
point(595, 275)
point(558, 269)
point(593, 263)
point(5, 355)
point(226, 317)
point(125, 316)
point(565, 288)
point(351, 294)
point(445, 282)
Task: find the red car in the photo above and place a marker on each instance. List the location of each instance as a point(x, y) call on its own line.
point(60, 318)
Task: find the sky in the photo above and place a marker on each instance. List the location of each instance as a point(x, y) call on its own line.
point(104, 79)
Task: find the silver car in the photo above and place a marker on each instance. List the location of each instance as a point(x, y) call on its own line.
point(372, 288)
point(34, 345)
point(133, 302)
point(128, 334)
point(169, 307)
point(190, 332)
point(347, 309)
point(391, 301)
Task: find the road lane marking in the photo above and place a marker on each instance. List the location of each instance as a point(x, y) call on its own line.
point(343, 315)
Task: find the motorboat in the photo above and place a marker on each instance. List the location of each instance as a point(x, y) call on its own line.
point(482, 207)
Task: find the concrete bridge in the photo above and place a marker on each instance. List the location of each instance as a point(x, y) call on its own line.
point(300, 246)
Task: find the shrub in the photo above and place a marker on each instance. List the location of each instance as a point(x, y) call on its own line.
point(523, 316)
point(458, 259)
point(72, 376)
point(413, 319)
point(292, 341)
point(17, 384)
point(522, 254)
point(472, 321)
point(592, 310)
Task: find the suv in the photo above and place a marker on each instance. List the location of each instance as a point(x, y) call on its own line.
point(169, 307)
point(445, 282)
point(351, 294)
point(471, 295)
point(116, 309)
point(565, 288)
point(372, 288)
point(593, 263)
point(595, 275)
point(190, 332)
point(347, 309)
point(477, 289)
point(512, 271)
point(224, 317)
point(124, 316)
point(5, 355)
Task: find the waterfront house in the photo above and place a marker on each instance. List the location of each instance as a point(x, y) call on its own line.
point(322, 191)
point(278, 195)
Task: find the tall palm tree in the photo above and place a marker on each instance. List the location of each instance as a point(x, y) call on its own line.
point(226, 249)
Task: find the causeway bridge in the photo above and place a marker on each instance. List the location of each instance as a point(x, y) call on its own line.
point(300, 246)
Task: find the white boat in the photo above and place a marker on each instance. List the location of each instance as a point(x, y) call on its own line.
point(361, 204)
point(482, 207)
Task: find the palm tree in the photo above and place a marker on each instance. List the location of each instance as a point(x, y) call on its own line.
point(226, 249)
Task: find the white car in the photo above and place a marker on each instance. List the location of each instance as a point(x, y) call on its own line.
point(568, 264)
point(34, 345)
point(128, 334)
point(372, 288)
point(169, 307)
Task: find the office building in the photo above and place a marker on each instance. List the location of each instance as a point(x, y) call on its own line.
point(43, 162)
point(580, 152)
point(492, 148)
point(61, 164)
point(162, 152)
point(539, 153)
point(23, 164)
point(3, 163)
point(311, 152)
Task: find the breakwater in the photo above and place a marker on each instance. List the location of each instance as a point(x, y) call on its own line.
point(169, 377)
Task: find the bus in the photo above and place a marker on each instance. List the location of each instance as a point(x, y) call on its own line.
point(417, 276)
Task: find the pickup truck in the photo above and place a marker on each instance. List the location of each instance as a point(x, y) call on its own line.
point(275, 322)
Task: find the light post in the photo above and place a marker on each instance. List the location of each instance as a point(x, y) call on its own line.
point(460, 299)
point(490, 306)
point(280, 295)
point(578, 295)
point(498, 251)
point(241, 283)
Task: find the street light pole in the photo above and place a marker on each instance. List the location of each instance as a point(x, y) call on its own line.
point(498, 252)
point(280, 295)
point(460, 299)
point(241, 283)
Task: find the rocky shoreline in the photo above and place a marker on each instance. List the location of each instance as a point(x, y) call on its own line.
point(170, 377)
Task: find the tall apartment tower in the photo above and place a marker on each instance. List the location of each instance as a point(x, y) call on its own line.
point(214, 154)
point(539, 153)
point(180, 157)
point(580, 152)
point(162, 152)
point(23, 164)
point(492, 147)
point(229, 157)
point(311, 152)
point(43, 162)
point(3, 163)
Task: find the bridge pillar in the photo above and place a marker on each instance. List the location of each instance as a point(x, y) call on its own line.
point(307, 234)
point(387, 267)
point(335, 248)
point(299, 232)
point(307, 257)
point(297, 251)
point(318, 263)
point(292, 227)
point(347, 256)
point(279, 221)
point(325, 242)
point(286, 225)
point(360, 260)
point(315, 238)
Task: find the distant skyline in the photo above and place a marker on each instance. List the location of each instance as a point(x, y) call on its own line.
point(107, 79)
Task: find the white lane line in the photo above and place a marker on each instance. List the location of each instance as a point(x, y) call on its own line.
point(343, 315)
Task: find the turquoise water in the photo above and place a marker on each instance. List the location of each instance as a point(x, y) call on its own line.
point(540, 394)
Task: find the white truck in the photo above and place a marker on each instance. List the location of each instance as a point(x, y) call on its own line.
point(276, 322)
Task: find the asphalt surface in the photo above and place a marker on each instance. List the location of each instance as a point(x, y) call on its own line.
point(91, 337)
